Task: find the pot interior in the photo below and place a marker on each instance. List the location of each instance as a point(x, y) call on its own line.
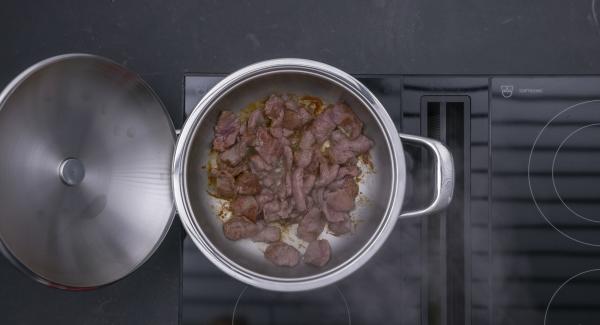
point(376, 186)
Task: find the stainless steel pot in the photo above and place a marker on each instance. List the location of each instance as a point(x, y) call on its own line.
point(385, 188)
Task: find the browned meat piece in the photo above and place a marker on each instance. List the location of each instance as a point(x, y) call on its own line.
point(322, 126)
point(287, 132)
point(317, 253)
point(258, 165)
point(317, 195)
point(307, 140)
point(313, 167)
point(308, 183)
point(342, 149)
point(351, 171)
point(280, 133)
point(271, 211)
point(235, 154)
point(303, 157)
point(347, 184)
point(224, 185)
point(311, 226)
point(237, 228)
point(295, 119)
point(297, 189)
point(310, 202)
point(288, 156)
point(274, 107)
point(288, 183)
point(282, 254)
point(333, 215)
point(226, 131)
point(267, 146)
point(287, 207)
point(277, 210)
point(340, 228)
point(339, 200)
point(247, 184)
point(346, 120)
point(245, 206)
point(273, 179)
point(267, 233)
point(264, 197)
point(288, 160)
point(290, 102)
point(327, 174)
point(255, 120)
point(274, 104)
point(233, 170)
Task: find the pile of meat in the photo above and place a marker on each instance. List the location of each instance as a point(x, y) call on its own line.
point(289, 161)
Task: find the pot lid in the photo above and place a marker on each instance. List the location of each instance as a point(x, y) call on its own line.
point(85, 171)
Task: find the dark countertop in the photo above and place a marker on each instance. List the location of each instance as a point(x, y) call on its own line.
point(163, 40)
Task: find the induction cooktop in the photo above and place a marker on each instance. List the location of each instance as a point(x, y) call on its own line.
point(519, 244)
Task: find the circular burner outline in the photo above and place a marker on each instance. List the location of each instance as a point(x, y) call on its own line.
point(537, 138)
point(337, 288)
point(554, 163)
point(561, 286)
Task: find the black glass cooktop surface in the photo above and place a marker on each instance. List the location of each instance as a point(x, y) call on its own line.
point(545, 228)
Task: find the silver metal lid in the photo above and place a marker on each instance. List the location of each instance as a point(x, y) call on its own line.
point(85, 171)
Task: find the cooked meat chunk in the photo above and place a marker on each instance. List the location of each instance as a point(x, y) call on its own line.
point(339, 228)
point(224, 185)
point(308, 183)
point(282, 254)
point(237, 228)
point(317, 195)
point(271, 211)
point(226, 131)
point(267, 233)
point(343, 149)
point(235, 154)
point(298, 190)
point(233, 170)
point(311, 225)
point(333, 215)
point(303, 157)
point(277, 210)
point(267, 146)
point(245, 206)
point(346, 120)
point(322, 126)
point(274, 110)
point(264, 197)
point(255, 119)
point(347, 184)
point(295, 119)
point(327, 174)
point(247, 184)
point(317, 253)
point(292, 161)
point(340, 200)
point(258, 165)
point(307, 140)
point(351, 171)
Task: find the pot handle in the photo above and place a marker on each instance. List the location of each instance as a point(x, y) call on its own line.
point(444, 175)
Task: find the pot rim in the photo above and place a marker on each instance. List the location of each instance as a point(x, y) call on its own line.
point(323, 71)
